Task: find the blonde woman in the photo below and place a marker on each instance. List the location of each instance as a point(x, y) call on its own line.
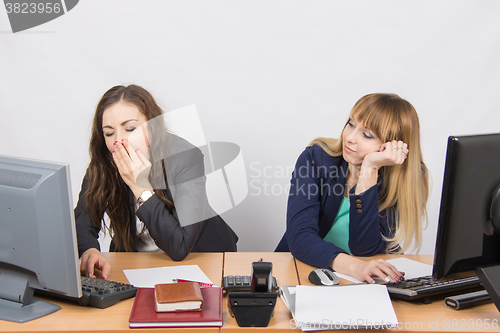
point(362, 194)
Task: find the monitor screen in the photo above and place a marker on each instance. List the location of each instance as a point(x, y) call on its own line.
point(38, 247)
point(466, 238)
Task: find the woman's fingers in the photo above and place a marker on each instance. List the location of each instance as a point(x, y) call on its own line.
point(388, 271)
point(132, 164)
point(381, 269)
point(134, 155)
point(121, 158)
point(124, 163)
point(139, 160)
point(395, 152)
point(142, 157)
point(386, 147)
point(402, 151)
point(127, 156)
point(92, 259)
point(143, 166)
point(122, 150)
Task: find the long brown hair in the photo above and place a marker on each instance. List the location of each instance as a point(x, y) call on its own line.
point(107, 192)
point(405, 187)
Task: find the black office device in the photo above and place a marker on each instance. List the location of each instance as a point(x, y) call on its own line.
point(242, 283)
point(261, 276)
point(466, 237)
point(104, 293)
point(426, 286)
point(98, 293)
point(323, 276)
point(463, 301)
point(253, 308)
point(490, 278)
point(468, 231)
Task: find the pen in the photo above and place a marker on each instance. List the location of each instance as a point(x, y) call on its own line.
point(202, 284)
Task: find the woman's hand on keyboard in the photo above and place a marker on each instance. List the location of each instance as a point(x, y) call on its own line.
point(381, 268)
point(92, 259)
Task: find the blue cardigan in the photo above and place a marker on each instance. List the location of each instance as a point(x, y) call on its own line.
point(316, 191)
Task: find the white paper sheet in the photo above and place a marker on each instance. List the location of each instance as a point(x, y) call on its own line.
point(344, 307)
point(411, 268)
point(147, 278)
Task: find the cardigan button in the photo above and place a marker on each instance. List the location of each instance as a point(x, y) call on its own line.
point(358, 201)
point(359, 206)
point(360, 211)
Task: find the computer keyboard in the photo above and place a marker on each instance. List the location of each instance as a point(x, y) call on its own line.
point(99, 293)
point(425, 286)
point(103, 293)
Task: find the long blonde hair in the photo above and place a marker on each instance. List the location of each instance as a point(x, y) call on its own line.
point(404, 188)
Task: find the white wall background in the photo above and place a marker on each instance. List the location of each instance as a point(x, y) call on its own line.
point(266, 75)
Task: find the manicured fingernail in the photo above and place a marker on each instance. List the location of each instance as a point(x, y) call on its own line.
point(387, 279)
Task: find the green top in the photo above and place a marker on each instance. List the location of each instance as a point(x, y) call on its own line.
point(339, 233)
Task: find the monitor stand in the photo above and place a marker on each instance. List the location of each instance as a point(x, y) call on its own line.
point(490, 278)
point(19, 313)
point(16, 298)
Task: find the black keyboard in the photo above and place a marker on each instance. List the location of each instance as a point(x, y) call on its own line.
point(99, 293)
point(103, 293)
point(427, 286)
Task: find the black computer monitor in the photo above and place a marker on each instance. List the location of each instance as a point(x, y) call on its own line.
point(38, 248)
point(466, 236)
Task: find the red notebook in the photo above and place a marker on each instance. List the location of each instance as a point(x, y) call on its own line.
point(143, 312)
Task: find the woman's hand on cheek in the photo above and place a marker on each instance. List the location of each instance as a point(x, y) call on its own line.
point(142, 167)
point(122, 160)
point(390, 153)
point(132, 165)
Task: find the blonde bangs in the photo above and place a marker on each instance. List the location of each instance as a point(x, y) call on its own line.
point(384, 122)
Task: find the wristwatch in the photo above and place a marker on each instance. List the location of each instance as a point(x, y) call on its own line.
point(144, 196)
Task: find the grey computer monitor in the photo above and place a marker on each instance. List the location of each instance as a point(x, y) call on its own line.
point(38, 248)
point(468, 233)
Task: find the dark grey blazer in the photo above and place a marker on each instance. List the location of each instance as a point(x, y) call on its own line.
point(212, 234)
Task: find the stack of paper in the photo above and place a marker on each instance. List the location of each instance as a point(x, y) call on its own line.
point(149, 277)
point(340, 307)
